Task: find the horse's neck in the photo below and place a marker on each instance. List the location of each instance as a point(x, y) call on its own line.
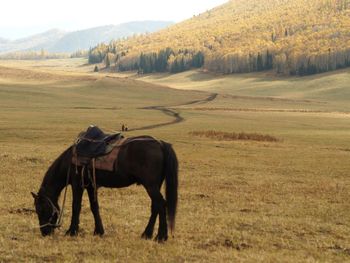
point(53, 185)
point(56, 176)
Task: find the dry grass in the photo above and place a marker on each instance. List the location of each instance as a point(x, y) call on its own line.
point(325, 92)
point(233, 136)
point(40, 75)
point(238, 202)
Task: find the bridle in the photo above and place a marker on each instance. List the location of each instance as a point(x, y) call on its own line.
point(55, 210)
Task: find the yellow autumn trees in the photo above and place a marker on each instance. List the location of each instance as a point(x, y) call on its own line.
point(290, 36)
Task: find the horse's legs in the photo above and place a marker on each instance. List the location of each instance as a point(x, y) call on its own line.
point(76, 207)
point(147, 234)
point(95, 211)
point(163, 226)
point(158, 207)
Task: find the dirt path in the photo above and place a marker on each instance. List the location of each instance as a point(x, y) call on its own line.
point(177, 118)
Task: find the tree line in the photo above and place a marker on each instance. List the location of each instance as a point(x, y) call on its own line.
point(33, 55)
point(165, 60)
point(293, 63)
point(42, 54)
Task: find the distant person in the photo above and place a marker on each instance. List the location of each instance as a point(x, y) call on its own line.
point(126, 128)
point(123, 127)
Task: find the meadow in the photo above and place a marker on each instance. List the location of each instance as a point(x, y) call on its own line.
point(239, 200)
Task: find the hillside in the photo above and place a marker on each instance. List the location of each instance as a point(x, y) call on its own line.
point(84, 39)
point(291, 36)
point(35, 42)
point(313, 91)
point(3, 40)
point(59, 41)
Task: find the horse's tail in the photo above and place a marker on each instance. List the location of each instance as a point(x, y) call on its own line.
point(171, 181)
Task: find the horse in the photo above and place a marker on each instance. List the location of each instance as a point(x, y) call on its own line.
point(146, 162)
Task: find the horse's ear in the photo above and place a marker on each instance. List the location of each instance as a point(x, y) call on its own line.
point(34, 195)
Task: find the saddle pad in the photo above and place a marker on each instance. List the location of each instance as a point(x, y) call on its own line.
point(105, 162)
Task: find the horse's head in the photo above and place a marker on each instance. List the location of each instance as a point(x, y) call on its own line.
point(48, 213)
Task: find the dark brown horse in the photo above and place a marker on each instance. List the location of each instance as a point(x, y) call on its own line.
point(146, 162)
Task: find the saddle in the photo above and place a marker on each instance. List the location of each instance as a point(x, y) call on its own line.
point(94, 142)
point(94, 147)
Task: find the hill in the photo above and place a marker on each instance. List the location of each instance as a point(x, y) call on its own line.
point(35, 42)
point(59, 41)
point(313, 91)
point(84, 39)
point(3, 40)
point(291, 36)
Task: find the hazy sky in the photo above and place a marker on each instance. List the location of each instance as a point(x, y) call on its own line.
point(20, 18)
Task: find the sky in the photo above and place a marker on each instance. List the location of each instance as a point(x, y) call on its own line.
point(21, 18)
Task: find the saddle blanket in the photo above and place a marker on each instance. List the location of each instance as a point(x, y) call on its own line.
point(106, 162)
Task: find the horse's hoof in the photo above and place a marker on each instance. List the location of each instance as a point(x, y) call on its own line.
point(72, 232)
point(99, 232)
point(161, 238)
point(146, 236)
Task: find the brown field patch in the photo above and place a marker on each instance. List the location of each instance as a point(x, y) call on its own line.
point(233, 136)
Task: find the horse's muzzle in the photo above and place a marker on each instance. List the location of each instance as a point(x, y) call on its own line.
point(47, 231)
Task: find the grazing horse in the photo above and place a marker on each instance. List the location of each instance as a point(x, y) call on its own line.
point(146, 162)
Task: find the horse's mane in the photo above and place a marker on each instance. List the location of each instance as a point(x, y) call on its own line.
point(56, 166)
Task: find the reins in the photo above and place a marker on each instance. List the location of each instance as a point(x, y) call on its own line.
point(55, 210)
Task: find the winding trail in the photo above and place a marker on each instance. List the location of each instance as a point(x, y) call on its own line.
point(177, 118)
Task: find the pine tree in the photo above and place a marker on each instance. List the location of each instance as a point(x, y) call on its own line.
point(107, 61)
point(259, 62)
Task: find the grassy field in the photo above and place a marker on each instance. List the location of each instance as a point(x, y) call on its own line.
point(241, 200)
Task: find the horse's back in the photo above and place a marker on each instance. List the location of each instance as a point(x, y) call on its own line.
point(142, 157)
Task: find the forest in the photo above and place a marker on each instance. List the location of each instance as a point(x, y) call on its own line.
point(293, 37)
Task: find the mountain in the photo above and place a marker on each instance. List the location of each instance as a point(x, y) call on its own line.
point(84, 39)
point(290, 36)
point(60, 41)
point(33, 42)
point(3, 41)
